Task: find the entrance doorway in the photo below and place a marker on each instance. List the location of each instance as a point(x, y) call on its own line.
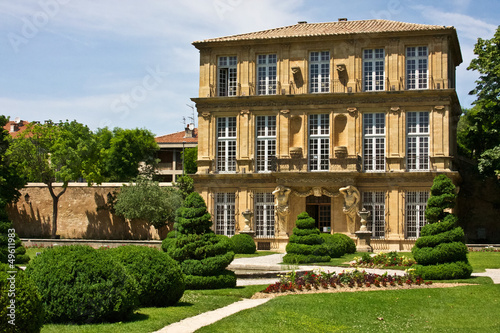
point(320, 209)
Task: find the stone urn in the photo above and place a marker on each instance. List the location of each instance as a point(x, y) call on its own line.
point(363, 235)
point(247, 215)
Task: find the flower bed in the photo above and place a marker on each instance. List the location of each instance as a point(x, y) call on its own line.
point(484, 249)
point(381, 260)
point(316, 280)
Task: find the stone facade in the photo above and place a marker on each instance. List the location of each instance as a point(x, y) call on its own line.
point(290, 116)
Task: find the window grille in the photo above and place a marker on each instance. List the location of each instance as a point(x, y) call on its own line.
point(266, 74)
point(319, 72)
point(226, 144)
point(416, 67)
point(415, 213)
point(264, 215)
point(224, 214)
point(373, 70)
point(417, 144)
point(266, 143)
point(319, 142)
point(227, 76)
point(374, 202)
point(374, 141)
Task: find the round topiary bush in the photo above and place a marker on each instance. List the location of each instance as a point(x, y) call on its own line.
point(26, 314)
point(336, 249)
point(80, 285)
point(203, 255)
point(345, 242)
point(243, 243)
point(305, 244)
point(160, 279)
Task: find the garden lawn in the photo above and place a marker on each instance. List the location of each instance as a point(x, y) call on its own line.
point(192, 303)
point(482, 260)
point(256, 254)
point(457, 309)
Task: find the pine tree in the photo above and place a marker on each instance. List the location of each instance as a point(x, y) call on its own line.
point(305, 244)
point(203, 255)
point(441, 252)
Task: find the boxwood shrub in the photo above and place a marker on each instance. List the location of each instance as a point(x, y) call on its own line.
point(29, 313)
point(19, 255)
point(160, 279)
point(243, 243)
point(345, 242)
point(79, 284)
point(335, 246)
point(203, 255)
point(307, 245)
point(447, 271)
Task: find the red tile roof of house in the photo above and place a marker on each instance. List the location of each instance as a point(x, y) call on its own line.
point(178, 137)
point(18, 127)
point(330, 29)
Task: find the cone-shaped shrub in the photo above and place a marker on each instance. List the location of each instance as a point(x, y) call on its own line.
point(440, 251)
point(305, 244)
point(203, 256)
point(7, 235)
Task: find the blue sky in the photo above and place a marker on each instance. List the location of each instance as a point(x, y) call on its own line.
point(131, 63)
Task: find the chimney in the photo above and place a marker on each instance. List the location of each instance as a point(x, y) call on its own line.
point(13, 128)
point(343, 19)
point(189, 131)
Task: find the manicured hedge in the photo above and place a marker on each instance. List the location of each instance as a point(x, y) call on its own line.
point(79, 284)
point(160, 279)
point(19, 256)
point(243, 243)
point(441, 252)
point(447, 271)
point(29, 314)
point(334, 247)
point(203, 256)
point(346, 242)
point(307, 245)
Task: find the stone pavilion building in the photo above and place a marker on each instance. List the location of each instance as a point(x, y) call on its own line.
point(326, 118)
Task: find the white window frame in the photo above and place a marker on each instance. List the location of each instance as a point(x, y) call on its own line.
point(417, 141)
point(227, 75)
point(225, 210)
point(264, 215)
point(319, 142)
point(373, 70)
point(319, 72)
point(226, 145)
point(265, 148)
point(415, 204)
point(266, 74)
point(417, 67)
point(374, 142)
point(374, 202)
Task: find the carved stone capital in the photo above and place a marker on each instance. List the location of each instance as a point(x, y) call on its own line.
point(205, 115)
point(244, 113)
point(439, 108)
point(395, 110)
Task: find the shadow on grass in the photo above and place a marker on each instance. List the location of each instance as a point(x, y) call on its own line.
point(137, 316)
point(182, 304)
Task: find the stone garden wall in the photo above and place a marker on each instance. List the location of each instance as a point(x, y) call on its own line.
point(83, 213)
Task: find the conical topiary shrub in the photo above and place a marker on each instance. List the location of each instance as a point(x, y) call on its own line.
point(203, 255)
point(440, 251)
point(8, 240)
point(305, 244)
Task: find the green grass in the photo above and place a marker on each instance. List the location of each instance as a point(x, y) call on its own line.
point(256, 254)
point(458, 309)
point(482, 260)
point(192, 303)
point(31, 251)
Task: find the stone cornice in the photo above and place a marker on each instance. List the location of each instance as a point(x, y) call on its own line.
point(386, 99)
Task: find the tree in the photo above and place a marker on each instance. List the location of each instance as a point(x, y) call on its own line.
point(441, 252)
point(62, 152)
point(146, 200)
point(126, 153)
point(203, 255)
point(185, 185)
point(485, 117)
point(190, 160)
point(11, 249)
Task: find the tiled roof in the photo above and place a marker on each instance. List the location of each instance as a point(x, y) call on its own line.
point(330, 29)
point(178, 137)
point(18, 127)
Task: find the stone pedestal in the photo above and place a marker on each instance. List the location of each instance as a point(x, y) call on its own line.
point(251, 233)
point(364, 238)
